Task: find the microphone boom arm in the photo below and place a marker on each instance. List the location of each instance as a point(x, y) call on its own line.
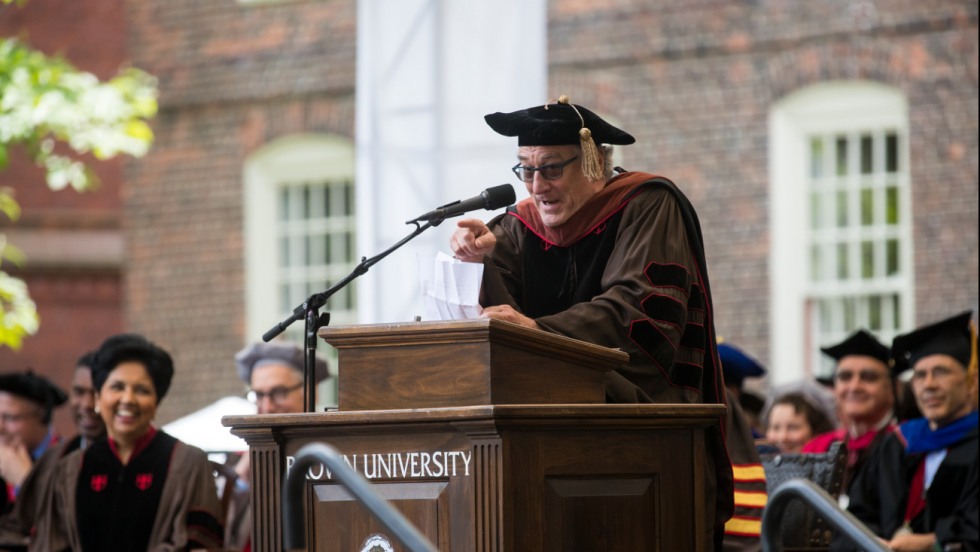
point(491, 198)
point(317, 300)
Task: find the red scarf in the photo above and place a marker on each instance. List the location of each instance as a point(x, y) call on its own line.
point(917, 499)
point(141, 443)
point(857, 444)
point(606, 202)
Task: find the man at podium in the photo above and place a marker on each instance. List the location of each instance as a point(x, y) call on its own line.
point(608, 256)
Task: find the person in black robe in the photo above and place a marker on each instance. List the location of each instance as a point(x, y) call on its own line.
point(920, 491)
point(865, 390)
point(27, 438)
point(28, 515)
point(27, 401)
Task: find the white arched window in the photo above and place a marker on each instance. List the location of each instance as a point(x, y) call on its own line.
point(299, 232)
point(841, 221)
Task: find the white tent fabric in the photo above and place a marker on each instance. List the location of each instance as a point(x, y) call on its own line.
point(422, 91)
point(203, 428)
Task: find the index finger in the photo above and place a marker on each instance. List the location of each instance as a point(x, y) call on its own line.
point(471, 224)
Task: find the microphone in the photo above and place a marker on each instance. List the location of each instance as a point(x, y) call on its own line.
point(489, 199)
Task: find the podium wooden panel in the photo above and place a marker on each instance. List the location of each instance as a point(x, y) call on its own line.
point(490, 476)
point(465, 363)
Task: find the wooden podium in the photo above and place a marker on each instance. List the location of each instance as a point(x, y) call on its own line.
point(488, 437)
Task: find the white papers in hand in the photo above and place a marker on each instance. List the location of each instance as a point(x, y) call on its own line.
point(450, 288)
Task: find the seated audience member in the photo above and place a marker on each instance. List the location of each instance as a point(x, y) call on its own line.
point(32, 502)
point(737, 365)
point(865, 398)
point(274, 374)
point(26, 403)
point(920, 491)
point(139, 489)
point(795, 414)
point(744, 528)
point(81, 400)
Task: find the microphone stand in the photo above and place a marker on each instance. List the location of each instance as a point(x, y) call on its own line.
point(310, 311)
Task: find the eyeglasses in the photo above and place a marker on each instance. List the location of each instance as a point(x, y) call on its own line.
point(938, 372)
point(867, 376)
point(277, 395)
point(8, 418)
point(551, 171)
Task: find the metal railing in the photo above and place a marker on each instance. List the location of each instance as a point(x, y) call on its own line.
point(809, 492)
point(294, 526)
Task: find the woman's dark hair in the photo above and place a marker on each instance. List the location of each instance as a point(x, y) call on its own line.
point(819, 423)
point(133, 348)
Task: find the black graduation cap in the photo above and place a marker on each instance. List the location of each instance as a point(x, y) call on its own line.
point(952, 336)
point(35, 388)
point(861, 343)
point(737, 365)
point(826, 381)
point(559, 124)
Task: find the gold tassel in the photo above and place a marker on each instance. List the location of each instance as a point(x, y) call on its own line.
point(591, 161)
point(591, 165)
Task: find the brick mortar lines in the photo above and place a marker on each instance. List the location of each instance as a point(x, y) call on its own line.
point(918, 28)
point(185, 107)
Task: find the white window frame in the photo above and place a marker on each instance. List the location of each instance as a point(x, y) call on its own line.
point(288, 162)
point(826, 109)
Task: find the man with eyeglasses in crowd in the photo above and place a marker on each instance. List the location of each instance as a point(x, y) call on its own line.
point(920, 491)
point(274, 374)
point(26, 403)
point(865, 402)
point(33, 500)
point(606, 256)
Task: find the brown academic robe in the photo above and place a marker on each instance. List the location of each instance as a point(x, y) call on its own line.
point(627, 272)
point(647, 297)
point(33, 501)
point(189, 489)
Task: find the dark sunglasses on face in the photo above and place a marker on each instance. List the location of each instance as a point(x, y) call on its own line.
point(551, 171)
point(867, 376)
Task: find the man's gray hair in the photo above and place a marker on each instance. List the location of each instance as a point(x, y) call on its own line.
point(607, 160)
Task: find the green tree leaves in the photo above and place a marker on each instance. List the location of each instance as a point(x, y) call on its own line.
point(46, 101)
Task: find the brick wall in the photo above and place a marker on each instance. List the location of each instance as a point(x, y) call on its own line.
point(78, 292)
point(694, 81)
point(232, 79)
point(78, 309)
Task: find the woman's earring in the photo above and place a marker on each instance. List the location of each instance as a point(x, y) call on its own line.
point(97, 409)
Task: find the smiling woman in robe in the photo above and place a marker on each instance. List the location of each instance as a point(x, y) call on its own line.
point(139, 489)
